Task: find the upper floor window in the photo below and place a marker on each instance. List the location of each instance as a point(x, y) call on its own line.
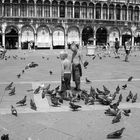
point(111, 11)
point(62, 9)
point(70, 9)
point(39, 8)
point(55, 8)
point(130, 13)
point(91, 10)
point(124, 12)
point(23, 8)
point(84, 10)
point(105, 11)
point(46, 8)
point(7, 8)
point(118, 12)
point(77, 10)
point(136, 13)
point(98, 11)
point(15, 8)
point(31, 10)
point(0, 8)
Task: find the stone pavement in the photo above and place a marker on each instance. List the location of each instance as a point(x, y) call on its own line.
point(60, 123)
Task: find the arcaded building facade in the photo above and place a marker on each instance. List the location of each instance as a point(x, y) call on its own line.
point(57, 23)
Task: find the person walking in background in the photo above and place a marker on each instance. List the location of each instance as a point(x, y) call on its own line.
point(127, 48)
point(65, 72)
point(117, 46)
point(76, 61)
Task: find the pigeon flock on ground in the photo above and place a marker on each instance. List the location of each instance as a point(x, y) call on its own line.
point(94, 96)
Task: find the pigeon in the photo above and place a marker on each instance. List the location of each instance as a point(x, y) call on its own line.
point(126, 112)
point(9, 86)
point(115, 105)
point(55, 101)
point(120, 98)
point(13, 110)
point(116, 134)
point(117, 118)
point(124, 86)
point(47, 87)
point(12, 92)
point(134, 98)
point(107, 91)
point(18, 75)
point(74, 107)
point(118, 89)
point(111, 112)
point(50, 72)
point(85, 64)
point(130, 96)
point(23, 71)
point(43, 57)
point(130, 79)
point(58, 57)
point(57, 88)
point(87, 81)
point(36, 91)
point(33, 105)
point(5, 137)
point(23, 101)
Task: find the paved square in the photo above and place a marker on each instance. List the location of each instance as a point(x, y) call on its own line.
point(60, 123)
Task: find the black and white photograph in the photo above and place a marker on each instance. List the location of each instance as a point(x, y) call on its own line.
point(69, 69)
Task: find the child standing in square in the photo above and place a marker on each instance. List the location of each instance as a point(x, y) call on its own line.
point(65, 71)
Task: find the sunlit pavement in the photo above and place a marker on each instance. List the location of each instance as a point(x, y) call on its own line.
point(54, 123)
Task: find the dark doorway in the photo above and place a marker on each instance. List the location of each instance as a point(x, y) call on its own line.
point(137, 39)
point(125, 37)
point(101, 36)
point(87, 33)
point(0, 39)
point(11, 38)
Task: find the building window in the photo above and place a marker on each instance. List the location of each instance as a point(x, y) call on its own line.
point(118, 12)
point(111, 11)
point(39, 8)
point(69, 9)
point(98, 11)
point(31, 8)
point(0, 8)
point(77, 10)
point(136, 14)
point(7, 8)
point(124, 13)
point(62, 9)
point(23, 8)
point(105, 11)
point(47, 8)
point(54, 9)
point(15, 7)
point(130, 13)
point(84, 10)
point(91, 10)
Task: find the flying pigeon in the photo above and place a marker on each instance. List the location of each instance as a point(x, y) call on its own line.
point(130, 78)
point(23, 101)
point(116, 134)
point(9, 86)
point(33, 105)
point(13, 110)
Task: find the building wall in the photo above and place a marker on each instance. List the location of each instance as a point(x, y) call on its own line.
point(58, 23)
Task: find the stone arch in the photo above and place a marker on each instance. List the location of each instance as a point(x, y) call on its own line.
point(43, 37)
point(73, 34)
point(27, 36)
point(58, 37)
point(11, 37)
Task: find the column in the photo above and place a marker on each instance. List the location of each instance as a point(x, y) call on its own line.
point(73, 9)
point(65, 11)
point(101, 11)
point(19, 40)
point(127, 14)
point(43, 10)
point(132, 40)
point(51, 41)
point(35, 9)
point(58, 9)
point(19, 10)
point(115, 12)
point(35, 39)
point(94, 11)
point(120, 40)
point(66, 40)
point(3, 39)
point(51, 10)
point(108, 12)
point(80, 43)
point(11, 9)
point(94, 41)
